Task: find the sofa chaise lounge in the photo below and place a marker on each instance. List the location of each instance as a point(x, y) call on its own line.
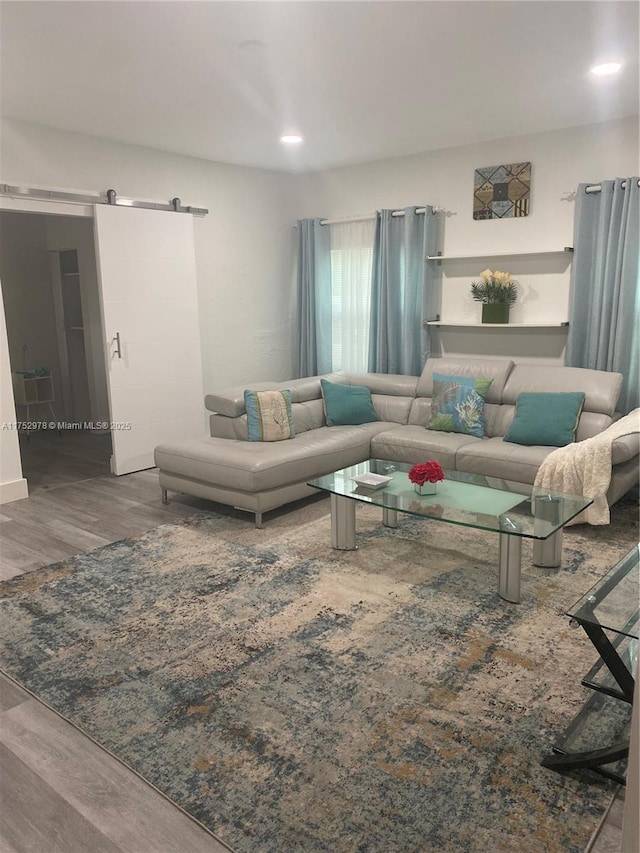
point(258, 476)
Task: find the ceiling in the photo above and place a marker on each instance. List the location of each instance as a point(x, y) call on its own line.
point(360, 80)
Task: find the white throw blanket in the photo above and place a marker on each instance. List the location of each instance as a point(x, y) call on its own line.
point(584, 468)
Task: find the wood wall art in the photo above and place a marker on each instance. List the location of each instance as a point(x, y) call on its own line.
point(502, 192)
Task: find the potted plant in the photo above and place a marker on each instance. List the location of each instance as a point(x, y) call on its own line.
point(497, 291)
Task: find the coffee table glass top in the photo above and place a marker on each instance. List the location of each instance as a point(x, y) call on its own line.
point(470, 500)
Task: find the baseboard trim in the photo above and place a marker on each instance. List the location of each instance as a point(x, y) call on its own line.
point(16, 490)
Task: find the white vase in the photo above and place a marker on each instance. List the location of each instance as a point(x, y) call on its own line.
point(426, 488)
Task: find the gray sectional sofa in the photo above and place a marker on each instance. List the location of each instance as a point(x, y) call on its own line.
point(260, 476)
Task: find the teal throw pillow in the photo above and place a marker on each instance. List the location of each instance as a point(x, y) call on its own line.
point(457, 404)
point(347, 404)
point(269, 415)
point(548, 419)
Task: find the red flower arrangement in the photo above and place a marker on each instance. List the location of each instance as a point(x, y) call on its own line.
point(426, 472)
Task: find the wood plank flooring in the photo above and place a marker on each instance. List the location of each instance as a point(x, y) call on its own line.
point(51, 459)
point(78, 509)
point(608, 838)
point(59, 791)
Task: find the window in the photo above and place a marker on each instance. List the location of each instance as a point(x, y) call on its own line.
point(351, 269)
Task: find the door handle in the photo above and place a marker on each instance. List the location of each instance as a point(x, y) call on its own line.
point(118, 347)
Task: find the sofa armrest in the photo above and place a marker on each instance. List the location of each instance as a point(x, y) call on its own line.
point(230, 401)
point(625, 448)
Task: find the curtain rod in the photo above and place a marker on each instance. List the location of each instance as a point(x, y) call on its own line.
point(109, 197)
point(368, 216)
point(596, 188)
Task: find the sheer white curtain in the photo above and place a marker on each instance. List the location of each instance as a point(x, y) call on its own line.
point(351, 268)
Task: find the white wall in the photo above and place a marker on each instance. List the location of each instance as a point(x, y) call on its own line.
point(243, 246)
point(560, 160)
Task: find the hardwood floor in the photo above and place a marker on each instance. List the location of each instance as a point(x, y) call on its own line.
point(78, 507)
point(51, 459)
point(59, 791)
point(608, 837)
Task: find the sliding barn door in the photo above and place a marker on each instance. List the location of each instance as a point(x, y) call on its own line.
point(146, 269)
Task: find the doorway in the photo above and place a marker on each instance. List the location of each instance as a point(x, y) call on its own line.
point(141, 330)
point(51, 299)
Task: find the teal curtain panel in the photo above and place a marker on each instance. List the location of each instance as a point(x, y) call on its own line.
point(604, 302)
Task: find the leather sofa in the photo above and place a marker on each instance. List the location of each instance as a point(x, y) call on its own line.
point(260, 476)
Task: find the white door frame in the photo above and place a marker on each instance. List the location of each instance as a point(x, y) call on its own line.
point(52, 208)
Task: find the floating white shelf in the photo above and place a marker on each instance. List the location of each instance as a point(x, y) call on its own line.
point(566, 250)
point(464, 324)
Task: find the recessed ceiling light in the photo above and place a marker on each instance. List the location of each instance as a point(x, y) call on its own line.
point(291, 139)
point(606, 68)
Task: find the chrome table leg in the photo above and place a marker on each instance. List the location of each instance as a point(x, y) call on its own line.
point(343, 523)
point(547, 511)
point(510, 567)
point(548, 552)
point(389, 517)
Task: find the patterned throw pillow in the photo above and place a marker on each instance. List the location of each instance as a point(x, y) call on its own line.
point(269, 415)
point(457, 404)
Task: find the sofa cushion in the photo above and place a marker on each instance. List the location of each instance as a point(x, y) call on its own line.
point(230, 401)
point(308, 388)
point(390, 408)
point(457, 404)
point(413, 443)
point(601, 388)
point(493, 457)
point(269, 416)
point(254, 466)
point(394, 384)
point(308, 415)
point(592, 423)
point(347, 404)
point(483, 368)
point(548, 419)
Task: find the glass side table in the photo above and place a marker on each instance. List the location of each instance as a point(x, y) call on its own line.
point(610, 616)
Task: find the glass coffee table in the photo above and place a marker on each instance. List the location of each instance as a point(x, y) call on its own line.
point(469, 500)
point(598, 736)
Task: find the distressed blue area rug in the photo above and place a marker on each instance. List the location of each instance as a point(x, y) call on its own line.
point(295, 698)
